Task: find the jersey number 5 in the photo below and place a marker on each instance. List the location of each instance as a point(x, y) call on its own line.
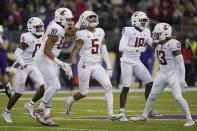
point(161, 57)
point(36, 48)
point(95, 50)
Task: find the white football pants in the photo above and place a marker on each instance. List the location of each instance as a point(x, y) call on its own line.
point(160, 83)
point(21, 77)
point(98, 73)
point(127, 70)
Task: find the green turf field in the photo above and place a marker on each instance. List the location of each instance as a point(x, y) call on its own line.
point(94, 106)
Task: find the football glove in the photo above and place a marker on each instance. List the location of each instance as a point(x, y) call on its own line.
point(67, 69)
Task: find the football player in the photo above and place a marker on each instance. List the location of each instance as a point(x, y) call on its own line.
point(90, 44)
point(132, 44)
point(24, 55)
point(48, 62)
point(171, 71)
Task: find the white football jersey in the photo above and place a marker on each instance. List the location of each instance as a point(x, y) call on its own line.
point(34, 45)
point(165, 56)
point(135, 38)
point(90, 51)
point(52, 29)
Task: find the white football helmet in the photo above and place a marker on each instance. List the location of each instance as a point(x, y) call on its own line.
point(138, 19)
point(35, 26)
point(85, 19)
point(161, 32)
point(64, 16)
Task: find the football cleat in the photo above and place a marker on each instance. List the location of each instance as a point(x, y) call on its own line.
point(153, 114)
point(6, 117)
point(48, 122)
point(114, 117)
point(189, 123)
point(123, 119)
point(38, 113)
point(68, 108)
point(138, 118)
point(30, 110)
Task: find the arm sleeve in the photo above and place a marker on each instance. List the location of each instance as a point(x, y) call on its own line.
point(17, 56)
point(106, 56)
point(79, 36)
point(123, 45)
point(180, 62)
point(175, 45)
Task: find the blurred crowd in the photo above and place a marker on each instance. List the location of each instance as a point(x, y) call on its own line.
point(15, 13)
point(113, 16)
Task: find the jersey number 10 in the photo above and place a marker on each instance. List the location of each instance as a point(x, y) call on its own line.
point(139, 42)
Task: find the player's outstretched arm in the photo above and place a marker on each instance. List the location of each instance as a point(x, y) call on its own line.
point(72, 32)
point(19, 52)
point(75, 50)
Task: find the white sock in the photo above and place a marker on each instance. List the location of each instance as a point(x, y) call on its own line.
point(122, 111)
point(149, 103)
point(184, 106)
point(109, 99)
point(31, 103)
point(6, 110)
point(42, 105)
point(47, 110)
point(48, 94)
point(71, 100)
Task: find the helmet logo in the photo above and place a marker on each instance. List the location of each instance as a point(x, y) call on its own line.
point(136, 14)
point(62, 12)
point(30, 21)
point(165, 27)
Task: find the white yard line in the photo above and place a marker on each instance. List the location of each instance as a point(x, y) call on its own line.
point(101, 90)
point(51, 128)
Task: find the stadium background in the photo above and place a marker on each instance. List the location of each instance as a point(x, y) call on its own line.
point(113, 16)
